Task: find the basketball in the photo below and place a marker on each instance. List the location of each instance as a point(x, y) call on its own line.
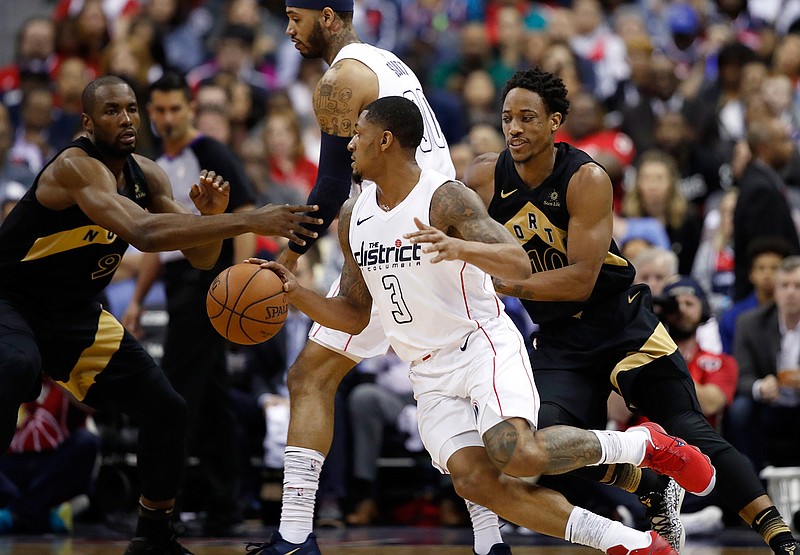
point(246, 304)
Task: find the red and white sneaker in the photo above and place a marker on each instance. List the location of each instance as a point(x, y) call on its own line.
point(658, 546)
point(673, 457)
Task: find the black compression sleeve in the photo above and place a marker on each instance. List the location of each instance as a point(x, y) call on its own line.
point(332, 187)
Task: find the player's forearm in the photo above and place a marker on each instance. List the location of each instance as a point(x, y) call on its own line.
point(506, 261)
point(169, 232)
point(331, 312)
point(564, 284)
point(205, 256)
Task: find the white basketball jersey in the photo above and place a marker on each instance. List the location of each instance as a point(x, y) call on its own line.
point(423, 306)
point(396, 79)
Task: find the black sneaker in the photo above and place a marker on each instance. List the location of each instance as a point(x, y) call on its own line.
point(147, 546)
point(500, 549)
point(278, 546)
point(789, 548)
point(663, 510)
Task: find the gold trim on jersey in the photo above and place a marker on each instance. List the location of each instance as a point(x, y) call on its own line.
point(613, 260)
point(70, 239)
point(658, 345)
point(96, 357)
point(531, 222)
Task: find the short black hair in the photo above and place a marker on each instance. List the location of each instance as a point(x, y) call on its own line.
point(400, 116)
point(89, 95)
point(547, 85)
point(768, 244)
point(172, 81)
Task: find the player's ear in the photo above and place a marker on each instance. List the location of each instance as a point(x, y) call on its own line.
point(555, 121)
point(87, 123)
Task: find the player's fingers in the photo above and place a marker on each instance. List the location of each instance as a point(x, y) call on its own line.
point(302, 207)
point(297, 240)
point(298, 229)
point(210, 176)
point(224, 186)
point(420, 225)
point(203, 174)
point(303, 219)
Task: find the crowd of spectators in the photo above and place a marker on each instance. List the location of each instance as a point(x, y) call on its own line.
point(692, 106)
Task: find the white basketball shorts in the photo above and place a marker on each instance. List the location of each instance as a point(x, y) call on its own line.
point(466, 389)
point(369, 343)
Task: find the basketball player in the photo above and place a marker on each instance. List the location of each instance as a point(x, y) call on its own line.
point(597, 332)
point(60, 246)
point(358, 74)
point(421, 247)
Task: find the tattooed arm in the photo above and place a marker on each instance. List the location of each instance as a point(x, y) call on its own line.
point(339, 98)
point(462, 229)
point(350, 310)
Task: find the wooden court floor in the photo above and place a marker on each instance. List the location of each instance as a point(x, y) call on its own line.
point(227, 548)
point(377, 541)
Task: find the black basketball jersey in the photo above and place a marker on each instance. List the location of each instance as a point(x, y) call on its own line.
point(55, 259)
point(539, 220)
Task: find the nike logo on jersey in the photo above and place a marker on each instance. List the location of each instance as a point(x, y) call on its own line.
point(630, 298)
point(359, 222)
point(503, 194)
point(464, 346)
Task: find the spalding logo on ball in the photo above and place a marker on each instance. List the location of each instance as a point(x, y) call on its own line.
point(247, 304)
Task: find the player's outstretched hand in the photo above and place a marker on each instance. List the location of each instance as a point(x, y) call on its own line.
point(445, 247)
point(285, 219)
point(210, 195)
point(289, 280)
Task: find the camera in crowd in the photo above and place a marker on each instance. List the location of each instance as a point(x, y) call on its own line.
point(664, 306)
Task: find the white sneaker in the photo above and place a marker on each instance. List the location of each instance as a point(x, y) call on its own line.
point(704, 522)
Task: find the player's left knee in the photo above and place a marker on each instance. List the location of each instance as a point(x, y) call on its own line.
point(515, 450)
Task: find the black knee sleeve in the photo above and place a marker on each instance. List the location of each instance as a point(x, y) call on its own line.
point(20, 374)
point(161, 414)
point(671, 402)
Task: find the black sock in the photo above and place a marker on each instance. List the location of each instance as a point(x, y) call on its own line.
point(154, 523)
point(650, 482)
point(770, 525)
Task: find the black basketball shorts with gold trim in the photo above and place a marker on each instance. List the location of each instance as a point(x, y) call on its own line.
point(578, 361)
point(87, 350)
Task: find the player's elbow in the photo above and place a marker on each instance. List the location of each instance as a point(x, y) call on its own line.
point(521, 268)
point(203, 263)
point(358, 322)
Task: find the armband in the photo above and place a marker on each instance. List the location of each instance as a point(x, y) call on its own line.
point(332, 187)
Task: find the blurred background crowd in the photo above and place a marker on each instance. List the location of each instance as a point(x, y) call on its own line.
point(692, 106)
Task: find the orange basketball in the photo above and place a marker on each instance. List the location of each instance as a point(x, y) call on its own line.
point(246, 304)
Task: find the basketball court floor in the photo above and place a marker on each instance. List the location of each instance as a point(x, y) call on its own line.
point(370, 541)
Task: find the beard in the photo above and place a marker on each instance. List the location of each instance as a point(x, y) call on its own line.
point(357, 177)
point(315, 43)
point(681, 332)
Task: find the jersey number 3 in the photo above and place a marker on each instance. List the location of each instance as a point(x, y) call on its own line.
point(400, 312)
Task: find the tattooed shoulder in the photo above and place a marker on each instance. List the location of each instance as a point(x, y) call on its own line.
point(450, 205)
point(334, 104)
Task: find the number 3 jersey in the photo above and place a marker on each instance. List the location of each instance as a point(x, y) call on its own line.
point(54, 259)
point(423, 306)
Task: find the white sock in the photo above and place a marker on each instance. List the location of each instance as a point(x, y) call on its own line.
point(301, 469)
point(622, 447)
point(485, 527)
point(596, 531)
